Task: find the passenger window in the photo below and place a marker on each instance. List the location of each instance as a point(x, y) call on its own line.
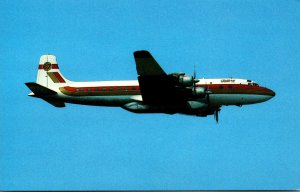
point(103, 89)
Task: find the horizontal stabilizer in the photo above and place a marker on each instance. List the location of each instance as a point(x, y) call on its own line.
point(40, 90)
point(44, 93)
point(55, 103)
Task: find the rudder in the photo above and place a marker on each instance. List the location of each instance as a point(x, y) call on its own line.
point(49, 74)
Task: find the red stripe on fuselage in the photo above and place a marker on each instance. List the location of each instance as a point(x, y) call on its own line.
point(104, 88)
point(237, 89)
point(214, 88)
point(230, 86)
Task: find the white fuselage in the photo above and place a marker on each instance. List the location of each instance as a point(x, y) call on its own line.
point(229, 97)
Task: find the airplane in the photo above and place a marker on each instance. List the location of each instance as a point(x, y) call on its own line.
point(155, 91)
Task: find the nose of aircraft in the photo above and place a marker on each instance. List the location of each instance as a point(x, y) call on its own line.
point(269, 94)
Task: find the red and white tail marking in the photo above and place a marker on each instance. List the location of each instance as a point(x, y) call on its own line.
point(49, 74)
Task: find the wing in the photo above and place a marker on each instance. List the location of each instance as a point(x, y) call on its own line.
point(155, 85)
point(146, 64)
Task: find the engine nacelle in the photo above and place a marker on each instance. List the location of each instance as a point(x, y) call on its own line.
point(185, 80)
point(138, 107)
point(182, 80)
point(199, 91)
point(196, 105)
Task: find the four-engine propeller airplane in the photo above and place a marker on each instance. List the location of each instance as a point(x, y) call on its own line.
point(155, 91)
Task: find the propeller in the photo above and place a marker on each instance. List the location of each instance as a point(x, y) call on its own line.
point(217, 111)
point(194, 72)
point(195, 80)
point(216, 114)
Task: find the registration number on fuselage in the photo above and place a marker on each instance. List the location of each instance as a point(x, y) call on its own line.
point(227, 80)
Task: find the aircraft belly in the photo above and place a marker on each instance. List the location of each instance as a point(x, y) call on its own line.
point(237, 99)
point(101, 100)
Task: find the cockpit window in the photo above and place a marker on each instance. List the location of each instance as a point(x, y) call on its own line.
point(253, 84)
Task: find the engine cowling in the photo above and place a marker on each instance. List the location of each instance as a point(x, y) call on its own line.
point(182, 80)
point(138, 107)
point(199, 91)
point(186, 80)
point(196, 105)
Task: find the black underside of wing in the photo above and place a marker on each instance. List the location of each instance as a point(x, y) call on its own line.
point(156, 86)
point(160, 90)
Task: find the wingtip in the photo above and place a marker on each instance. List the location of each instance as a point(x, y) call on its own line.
point(141, 54)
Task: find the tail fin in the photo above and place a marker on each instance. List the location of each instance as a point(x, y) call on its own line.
point(48, 72)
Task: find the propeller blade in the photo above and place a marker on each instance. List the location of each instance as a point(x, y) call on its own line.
point(194, 72)
point(216, 114)
point(194, 79)
point(195, 75)
point(207, 96)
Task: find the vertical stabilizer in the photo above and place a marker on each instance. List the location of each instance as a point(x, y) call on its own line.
point(49, 74)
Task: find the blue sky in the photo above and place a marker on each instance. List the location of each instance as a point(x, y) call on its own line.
point(86, 147)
